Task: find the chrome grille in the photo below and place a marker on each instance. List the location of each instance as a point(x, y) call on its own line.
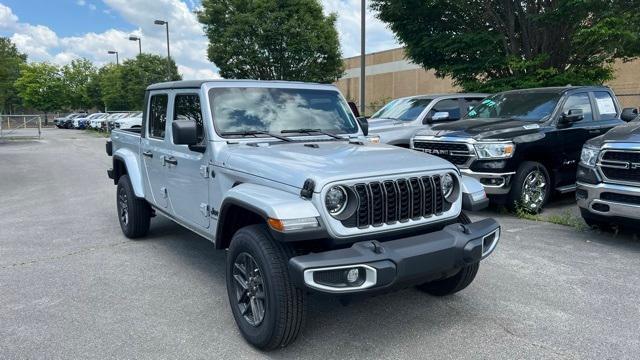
point(398, 200)
point(620, 165)
point(456, 153)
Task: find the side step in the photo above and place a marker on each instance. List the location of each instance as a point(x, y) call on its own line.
point(566, 189)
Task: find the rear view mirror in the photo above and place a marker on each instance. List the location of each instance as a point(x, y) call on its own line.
point(629, 114)
point(364, 124)
point(571, 116)
point(184, 132)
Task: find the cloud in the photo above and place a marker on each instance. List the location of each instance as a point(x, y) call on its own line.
point(81, 2)
point(8, 20)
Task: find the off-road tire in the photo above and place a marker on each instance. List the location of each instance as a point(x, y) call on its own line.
point(451, 285)
point(285, 308)
point(138, 210)
point(515, 197)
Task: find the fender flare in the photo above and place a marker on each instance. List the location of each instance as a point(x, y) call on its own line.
point(130, 160)
point(474, 197)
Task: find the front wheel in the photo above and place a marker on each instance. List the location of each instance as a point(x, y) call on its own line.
point(268, 308)
point(530, 188)
point(134, 213)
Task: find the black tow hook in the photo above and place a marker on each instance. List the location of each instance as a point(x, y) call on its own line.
point(377, 247)
point(465, 229)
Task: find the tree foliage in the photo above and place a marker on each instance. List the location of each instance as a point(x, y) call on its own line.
point(144, 70)
point(41, 87)
point(491, 45)
point(272, 39)
point(10, 61)
point(78, 76)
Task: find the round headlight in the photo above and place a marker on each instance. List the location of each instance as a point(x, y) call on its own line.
point(336, 200)
point(448, 185)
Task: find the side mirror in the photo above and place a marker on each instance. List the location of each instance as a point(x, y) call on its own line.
point(184, 132)
point(629, 114)
point(571, 116)
point(440, 115)
point(364, 124)
point(354, 109)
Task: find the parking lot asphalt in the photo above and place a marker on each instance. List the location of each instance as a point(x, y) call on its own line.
point(72, 286)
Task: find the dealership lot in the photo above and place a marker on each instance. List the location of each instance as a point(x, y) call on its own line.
point(72, 286)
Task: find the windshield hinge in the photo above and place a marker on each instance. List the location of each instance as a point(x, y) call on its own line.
point(205, 210)
point(204, 171)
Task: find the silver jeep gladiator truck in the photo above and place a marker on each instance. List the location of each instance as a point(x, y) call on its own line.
point(281, 176)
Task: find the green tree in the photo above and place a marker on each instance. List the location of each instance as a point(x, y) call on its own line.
point(112, 89)
point(78, 76)
point(272, 39)
point(491, 45)
point(41, 87)
point(10, 61)
point(144, 70)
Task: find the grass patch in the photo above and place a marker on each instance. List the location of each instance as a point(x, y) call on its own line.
point(565, 219)
point(96, 133)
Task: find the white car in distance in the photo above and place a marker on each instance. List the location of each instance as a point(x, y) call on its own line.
point(132, 121)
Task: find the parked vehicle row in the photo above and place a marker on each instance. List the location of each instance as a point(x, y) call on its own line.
point(281, 175)
point(100, 121)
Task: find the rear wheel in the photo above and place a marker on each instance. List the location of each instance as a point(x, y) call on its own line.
point(451, 285)
point(134, 213)
point(268, 308)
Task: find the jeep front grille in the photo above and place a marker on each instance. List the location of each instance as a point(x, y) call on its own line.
point(620, 165)
point(456, 153)
point(400, 200)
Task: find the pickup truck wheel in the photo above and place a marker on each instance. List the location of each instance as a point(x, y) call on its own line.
point(134, 214)
point(268, 308)
point(451, 285)
point(530, 188)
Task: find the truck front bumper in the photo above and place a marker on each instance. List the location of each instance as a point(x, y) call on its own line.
point(494, 183)
point(609, 200)
point(370, 266)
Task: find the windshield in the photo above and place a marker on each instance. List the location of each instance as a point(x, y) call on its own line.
point(526, 106)
point(403, 109)
point(276, 110)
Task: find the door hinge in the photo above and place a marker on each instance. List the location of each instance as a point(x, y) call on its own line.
point(204, 209)
point(204, 171)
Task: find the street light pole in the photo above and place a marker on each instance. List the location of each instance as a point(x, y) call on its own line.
point(166, 24)
point(111, 52)
point(363, 55)
point(139, 40)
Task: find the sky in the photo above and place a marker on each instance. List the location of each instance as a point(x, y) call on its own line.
point(59, 31)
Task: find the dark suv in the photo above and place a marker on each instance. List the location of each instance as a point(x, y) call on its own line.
point(524, 144)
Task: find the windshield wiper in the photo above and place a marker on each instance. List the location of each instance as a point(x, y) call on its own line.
point(254, 133)
point(311, 131)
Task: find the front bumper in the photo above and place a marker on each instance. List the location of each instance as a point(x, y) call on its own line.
point(416, 259)
point(590, 198)
point(494, 183)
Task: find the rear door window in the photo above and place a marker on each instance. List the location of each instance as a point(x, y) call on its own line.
point(606, 106)
point(579, 101)
point(158, 115)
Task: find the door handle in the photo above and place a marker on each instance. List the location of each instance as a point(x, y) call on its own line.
point(596, 131)
point(171, 160)
point(148, 154)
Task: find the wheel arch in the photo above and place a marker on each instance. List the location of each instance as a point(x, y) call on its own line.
point(126, 162)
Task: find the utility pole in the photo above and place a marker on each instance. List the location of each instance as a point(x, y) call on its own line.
point(363, 55)
point(166, 24)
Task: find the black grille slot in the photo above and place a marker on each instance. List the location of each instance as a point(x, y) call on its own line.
point(400, 200)
point(621, 156)
point(428, 196)
point(392, 201)
point(439, 201)
point(440, 146)
point(377, 202)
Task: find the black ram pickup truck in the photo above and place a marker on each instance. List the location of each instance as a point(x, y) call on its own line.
point(524, 144)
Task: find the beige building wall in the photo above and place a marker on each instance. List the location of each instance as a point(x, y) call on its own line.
point(390, 76)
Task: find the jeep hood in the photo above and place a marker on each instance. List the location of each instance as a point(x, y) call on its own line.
point(326, 161)
point(483, 129)
point(629, 133)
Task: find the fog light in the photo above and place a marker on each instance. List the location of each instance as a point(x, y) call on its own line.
point(353, 275)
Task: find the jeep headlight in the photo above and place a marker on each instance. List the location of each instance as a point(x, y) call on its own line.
point(495, 150)
point(448, 184)
point(589, 155)
point(336, 200)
